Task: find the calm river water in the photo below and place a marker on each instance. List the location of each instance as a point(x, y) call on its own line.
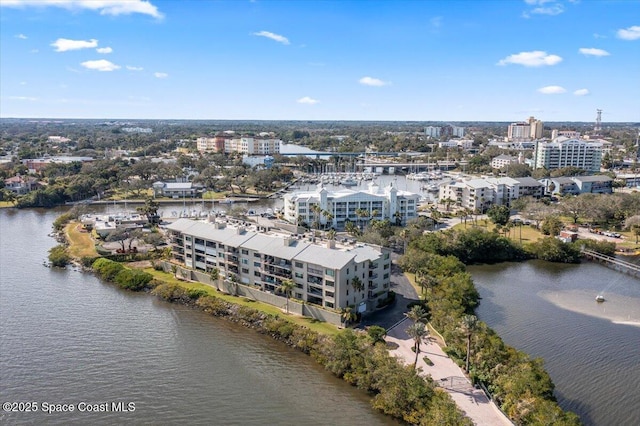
point(66, 338)
point(591, 350)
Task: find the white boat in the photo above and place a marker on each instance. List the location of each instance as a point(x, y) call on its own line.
point(600, 298)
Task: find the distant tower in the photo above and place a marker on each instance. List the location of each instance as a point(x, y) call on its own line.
point(598, 125)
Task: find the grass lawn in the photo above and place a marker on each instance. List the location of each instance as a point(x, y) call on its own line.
point(529, 234)
point(320, 327)
point(80, 242)
point(412, 279)
point(119, 195)
point(211, 195)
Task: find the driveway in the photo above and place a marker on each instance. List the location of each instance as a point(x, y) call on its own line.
point(405, 294)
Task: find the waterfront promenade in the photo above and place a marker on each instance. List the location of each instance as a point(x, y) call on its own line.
point(445, 372)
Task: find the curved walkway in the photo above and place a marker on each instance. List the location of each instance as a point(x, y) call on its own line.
point(448, 376)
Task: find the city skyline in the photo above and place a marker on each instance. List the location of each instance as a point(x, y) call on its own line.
point(373, 61)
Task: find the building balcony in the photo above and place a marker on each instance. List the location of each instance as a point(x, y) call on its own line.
point(315, 271)
point(277, 272)
point(314, 280)
point(315, 291)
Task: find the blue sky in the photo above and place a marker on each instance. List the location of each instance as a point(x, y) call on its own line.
point(558, 60)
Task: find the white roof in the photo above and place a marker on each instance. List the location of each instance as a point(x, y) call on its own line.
point(329, 258)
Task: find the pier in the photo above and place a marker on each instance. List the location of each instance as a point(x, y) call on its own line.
point(612, 262)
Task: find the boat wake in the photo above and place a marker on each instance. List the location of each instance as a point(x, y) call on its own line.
point(618, 309)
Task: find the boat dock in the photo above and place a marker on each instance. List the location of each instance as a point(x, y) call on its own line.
point(612, 262)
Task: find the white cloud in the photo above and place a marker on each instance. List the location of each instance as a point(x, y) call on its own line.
point(592, 51)
point(370, 81)
point(160, 75)
point(100, 65)
point(631, 33)
point(436, 22)
point(536, 58)
point(21, 36)
point(105, 7)
point(552, 10)
point(34, 51)
point(131, 68)
point(23, 98)
point(307, 100)
point(23, 83)
point(277, 37)
point(65, 44)
point(104, 50)
point(552, 90)
point(581, 92)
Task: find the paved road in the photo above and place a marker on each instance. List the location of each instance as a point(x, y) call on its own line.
point(449, 376)
point(405, 294)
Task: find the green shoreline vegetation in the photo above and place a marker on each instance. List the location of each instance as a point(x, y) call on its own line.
point(519, 385)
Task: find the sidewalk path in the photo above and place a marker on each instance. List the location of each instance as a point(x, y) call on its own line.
point(447, 375)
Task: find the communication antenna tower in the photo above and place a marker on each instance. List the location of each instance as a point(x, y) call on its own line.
point(598, 125)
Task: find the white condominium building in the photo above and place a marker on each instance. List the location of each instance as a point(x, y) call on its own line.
point(503, 160)
point(565, 152)
point(344, 205)
point(480, 194)
point(252, 146)
point(328, 275)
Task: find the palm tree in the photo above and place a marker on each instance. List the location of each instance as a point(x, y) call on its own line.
point(351, 228)
point(417, 332)
point(362, 214)
point(425, 280)
point(398, 218)
point(469, 324)
point(448, 202)
point(214, 275)
point(316, 210)
point(347, 315)
point(286, 287)
point(328, 216)
point(331, 234)
point(417, 314)
point(357, 284)
point(404, 234)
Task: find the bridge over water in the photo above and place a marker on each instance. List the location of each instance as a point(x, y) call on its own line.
point(613, 262)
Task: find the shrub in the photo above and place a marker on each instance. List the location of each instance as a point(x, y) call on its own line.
point(107, 269)
point(133, 279)
point(607, 248)
point(427, 361)
point(213, 305)
point(196, 293)
point(554, 250)
point(62, 220)
point(59, 256)
point(170, 291)
point(87, 261)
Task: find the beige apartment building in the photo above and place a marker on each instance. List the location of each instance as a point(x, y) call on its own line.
point(325, 273)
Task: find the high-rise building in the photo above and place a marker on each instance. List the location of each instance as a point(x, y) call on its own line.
point(530, 130)
point(564, 152)
point(432, 131)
